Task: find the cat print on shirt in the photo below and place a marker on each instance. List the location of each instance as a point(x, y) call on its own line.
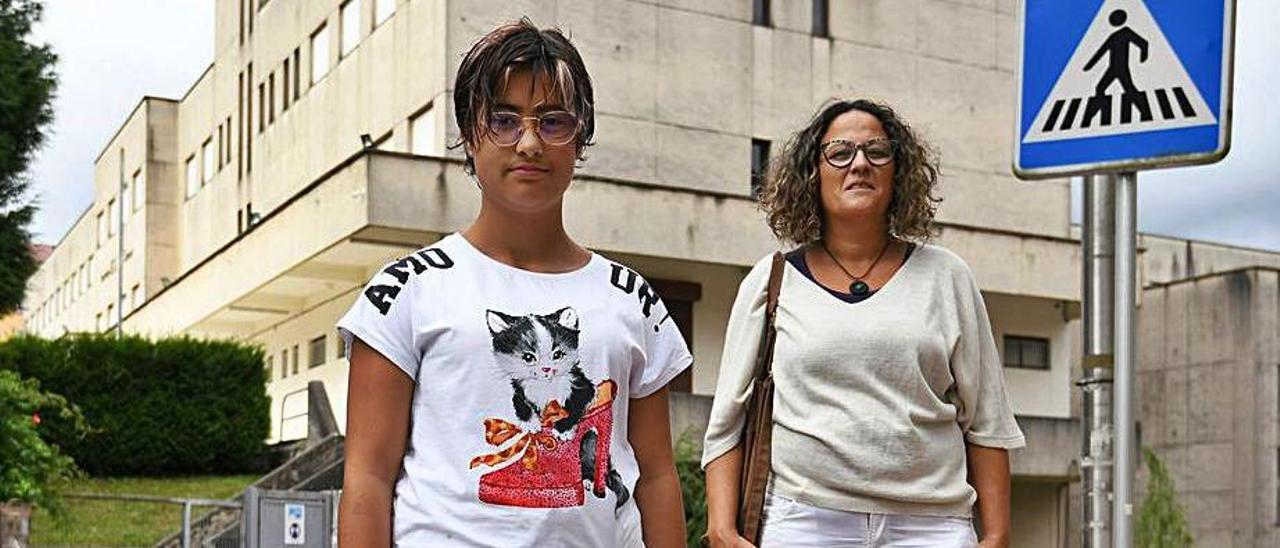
point(551, 398)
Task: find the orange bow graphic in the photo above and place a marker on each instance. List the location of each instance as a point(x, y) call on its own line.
point(498, 432)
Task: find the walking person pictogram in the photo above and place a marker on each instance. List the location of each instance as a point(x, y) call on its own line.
point(1118, 45)
point(1116, 48)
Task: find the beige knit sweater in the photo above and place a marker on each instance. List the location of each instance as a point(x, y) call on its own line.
point(874, 400)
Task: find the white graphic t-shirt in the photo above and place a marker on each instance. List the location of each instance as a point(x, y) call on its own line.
point(518, 434)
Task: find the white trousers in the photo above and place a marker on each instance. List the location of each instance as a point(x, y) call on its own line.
point(787, 523)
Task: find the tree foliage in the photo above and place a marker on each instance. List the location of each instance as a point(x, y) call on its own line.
point(1161, 522)
point(27, 87)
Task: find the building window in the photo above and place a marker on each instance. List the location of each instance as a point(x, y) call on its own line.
point(422, 132)
point(219, 150)
point(1026, 352)
point(133, 296)
point(759, 164)
point(821, 18)
point(271, 363)
point(126, 203)
point(297, 73)
point(679, 298)
point(207, 161)
point(284, 88)
point(342, 348)
point(102, 229)
point(350, 20)
point(293, 361)
point(113, 217)
point(228, 147)
point(760, 13)
point(315, 354)
point(284, 363)
point(139, 189)
point(240, 124)
point(262, 107)
point(193, 177)
point(319, 53)
point(383, 10)
point(271, 98)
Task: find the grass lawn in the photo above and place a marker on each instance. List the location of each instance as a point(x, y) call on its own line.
point(127, 523)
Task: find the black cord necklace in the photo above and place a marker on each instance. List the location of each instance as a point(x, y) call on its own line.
point(857, 286)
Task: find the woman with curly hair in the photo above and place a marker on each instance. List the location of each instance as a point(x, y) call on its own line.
point(890, 417)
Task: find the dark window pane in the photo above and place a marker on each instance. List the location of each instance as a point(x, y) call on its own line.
point(315, 354)
point(759, 164)
point(1012, 352)
point(1027, 352)
point(820, 18)
point(1035, 353)
point(760, 13)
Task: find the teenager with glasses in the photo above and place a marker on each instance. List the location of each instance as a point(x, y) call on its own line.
point(508, 386)
point(890, 415)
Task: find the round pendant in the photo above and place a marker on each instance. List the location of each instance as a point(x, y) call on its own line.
point(859, 288)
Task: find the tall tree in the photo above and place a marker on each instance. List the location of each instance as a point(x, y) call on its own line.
point(27, 87)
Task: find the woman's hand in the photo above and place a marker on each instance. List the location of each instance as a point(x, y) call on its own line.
point(993, 542)
point(727, 538)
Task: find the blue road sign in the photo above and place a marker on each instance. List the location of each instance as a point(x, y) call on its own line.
point(1121, 85)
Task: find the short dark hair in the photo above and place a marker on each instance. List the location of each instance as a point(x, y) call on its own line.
point(790, 197)
point(520, 46)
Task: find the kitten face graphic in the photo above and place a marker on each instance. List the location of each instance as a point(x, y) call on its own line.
point(533, 347)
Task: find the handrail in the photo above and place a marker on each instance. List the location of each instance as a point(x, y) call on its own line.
point(150, 498)
point(283, 401)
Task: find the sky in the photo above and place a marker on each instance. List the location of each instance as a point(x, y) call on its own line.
point(114, 52)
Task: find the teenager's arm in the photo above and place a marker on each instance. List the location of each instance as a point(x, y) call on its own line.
point(658, 489)
point(379, 396)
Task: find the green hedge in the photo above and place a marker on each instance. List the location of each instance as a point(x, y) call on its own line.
point(693, 487)
point(167, 407)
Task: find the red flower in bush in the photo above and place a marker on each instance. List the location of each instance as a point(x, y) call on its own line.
point(35, 418)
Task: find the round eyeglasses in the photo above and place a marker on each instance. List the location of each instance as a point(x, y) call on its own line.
point(555, 128)
point(841, 153)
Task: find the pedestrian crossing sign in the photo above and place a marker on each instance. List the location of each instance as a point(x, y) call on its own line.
point(1121, 85)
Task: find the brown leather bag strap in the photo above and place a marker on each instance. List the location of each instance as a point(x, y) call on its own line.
point(764, 355)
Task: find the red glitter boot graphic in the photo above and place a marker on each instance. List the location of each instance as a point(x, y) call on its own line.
point(550, 472)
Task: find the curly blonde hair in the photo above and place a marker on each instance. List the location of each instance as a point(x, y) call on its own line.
point(790, 197)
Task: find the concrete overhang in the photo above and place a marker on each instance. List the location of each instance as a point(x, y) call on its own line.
point(330, 236)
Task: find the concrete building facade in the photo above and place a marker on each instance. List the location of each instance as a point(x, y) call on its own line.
point(315, 148)
point(1207, 384)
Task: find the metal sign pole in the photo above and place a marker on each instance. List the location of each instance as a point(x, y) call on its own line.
point(1125, 284)
point(1096, 459)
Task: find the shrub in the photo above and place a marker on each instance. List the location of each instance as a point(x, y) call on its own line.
point(166, 407)
point(1161, 523)
point(693, 486)
point(31, 469)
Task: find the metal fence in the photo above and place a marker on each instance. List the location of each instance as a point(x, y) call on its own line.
point(93, 519)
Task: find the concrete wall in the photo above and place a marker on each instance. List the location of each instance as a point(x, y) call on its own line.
point(683, 87)
point(75, 286)
point(1166, 259)
point(1038, 514)
point(1039, 393)
point(1206, 388)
